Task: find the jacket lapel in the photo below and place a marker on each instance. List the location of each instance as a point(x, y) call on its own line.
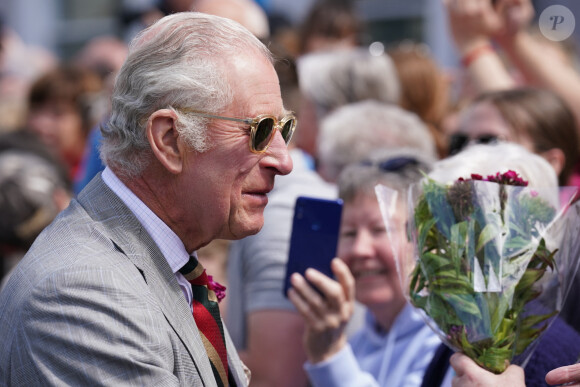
point(240, 372)
point(131, 239)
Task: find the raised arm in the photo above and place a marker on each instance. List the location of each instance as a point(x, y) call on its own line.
point(538, 60)
point(326, 315)
point(472, 24)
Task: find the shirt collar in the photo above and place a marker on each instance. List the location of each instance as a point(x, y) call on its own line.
point(168, 242)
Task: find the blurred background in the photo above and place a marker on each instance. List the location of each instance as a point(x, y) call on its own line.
point(64, 26)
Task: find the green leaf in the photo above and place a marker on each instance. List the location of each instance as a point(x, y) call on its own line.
point(423, 231)
point(447, 282)
point(489, 232)
point(463, 304)
point(433, 263)
point(494, 359)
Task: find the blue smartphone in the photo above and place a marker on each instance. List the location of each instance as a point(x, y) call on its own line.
point(314, 237)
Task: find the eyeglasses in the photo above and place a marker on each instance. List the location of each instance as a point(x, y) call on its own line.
point(392, 165)
point(262, 128)
point(459, 141)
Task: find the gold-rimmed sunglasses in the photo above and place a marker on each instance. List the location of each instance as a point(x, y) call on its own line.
point(262, 128)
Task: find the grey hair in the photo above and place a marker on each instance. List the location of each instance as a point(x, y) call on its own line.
point(362, 177)
point(352, 132)
point(179, 62)
point(335, 78)
point(27, 185)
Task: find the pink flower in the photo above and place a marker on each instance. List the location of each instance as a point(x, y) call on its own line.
point(511, 178)
point(508, 178)
point(219, 289)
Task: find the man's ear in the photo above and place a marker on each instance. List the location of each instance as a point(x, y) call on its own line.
point(164, 140)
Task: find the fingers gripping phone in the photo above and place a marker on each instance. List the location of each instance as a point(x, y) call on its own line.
point(314, 237)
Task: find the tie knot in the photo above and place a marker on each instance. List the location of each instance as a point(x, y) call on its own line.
point(192, 270)
point(195, 274)
point(190, 266)
point(200, 280)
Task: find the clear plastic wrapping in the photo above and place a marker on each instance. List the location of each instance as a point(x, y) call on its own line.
point(492, 261)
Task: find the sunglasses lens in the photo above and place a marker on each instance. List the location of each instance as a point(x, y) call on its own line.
point(457, 143)
point(263, 134)
point(397, 163)
point(487, 139)
point(288, 130)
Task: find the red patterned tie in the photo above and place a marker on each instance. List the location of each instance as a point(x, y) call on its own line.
point(207, 317)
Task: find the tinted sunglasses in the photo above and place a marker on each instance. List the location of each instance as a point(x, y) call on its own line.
point(262, 128)
point(392, 165)
point(459, 141)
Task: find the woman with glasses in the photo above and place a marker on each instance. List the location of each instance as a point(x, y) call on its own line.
point(537, 119)
point(352, 132)
point(394, 346)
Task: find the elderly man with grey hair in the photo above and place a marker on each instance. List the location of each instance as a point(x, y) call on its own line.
point(111, 293)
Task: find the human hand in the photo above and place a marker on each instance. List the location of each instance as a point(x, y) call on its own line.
point(472, 22)
point(326, 316)
point(469, 374)
point(515, 15)
point(568, 374)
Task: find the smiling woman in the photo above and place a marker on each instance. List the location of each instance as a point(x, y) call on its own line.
point(537, 119)
point(394, 346)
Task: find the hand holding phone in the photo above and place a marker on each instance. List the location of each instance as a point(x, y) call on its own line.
point(314, 238)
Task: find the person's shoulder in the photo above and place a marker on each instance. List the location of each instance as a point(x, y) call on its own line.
point(72, 240)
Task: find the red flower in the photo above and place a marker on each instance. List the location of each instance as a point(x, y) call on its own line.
point(508, 178)
point(219, 289)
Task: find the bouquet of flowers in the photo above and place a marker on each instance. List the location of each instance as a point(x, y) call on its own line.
point(493, 261)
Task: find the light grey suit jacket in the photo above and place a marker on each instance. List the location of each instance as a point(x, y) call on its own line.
point(94, 302)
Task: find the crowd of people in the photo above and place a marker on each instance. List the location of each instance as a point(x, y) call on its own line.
point(154, 172)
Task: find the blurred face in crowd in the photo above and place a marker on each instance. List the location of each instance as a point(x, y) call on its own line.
point(60, 126)
point(365, 247)
point(228, 184)
point(483, 122)
point(308, 117)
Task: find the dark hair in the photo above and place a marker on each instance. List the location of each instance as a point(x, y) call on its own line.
point(29, 175)
point(67, 84)
point(333, 19)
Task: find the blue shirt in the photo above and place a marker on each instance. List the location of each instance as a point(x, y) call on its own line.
point(372, 358)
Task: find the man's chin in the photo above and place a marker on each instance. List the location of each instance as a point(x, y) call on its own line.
point(246, 229)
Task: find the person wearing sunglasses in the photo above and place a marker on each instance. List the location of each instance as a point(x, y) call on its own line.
point(394, 345)
point(256, 266)
point(535, 118)
point(198, 132)
point(352, 132)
